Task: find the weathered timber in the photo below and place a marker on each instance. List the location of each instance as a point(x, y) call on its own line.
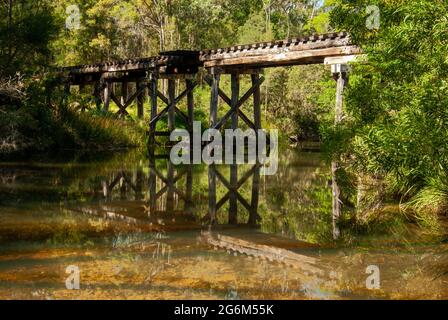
point(174, 62)
point(236, 107)
point(283, 58)
point(153, 91)
point(233, 201)
point(140, 86)
point(305, 50)
point(107, 95)
point(171, 99)
point(240, 58)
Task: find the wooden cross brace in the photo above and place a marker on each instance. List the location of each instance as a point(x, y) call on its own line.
point(234, 190)
point(123, 107)
point(172, 105)
point(236, 108)
point(170, 184)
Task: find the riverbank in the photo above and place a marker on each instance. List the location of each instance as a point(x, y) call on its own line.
point(35, 117)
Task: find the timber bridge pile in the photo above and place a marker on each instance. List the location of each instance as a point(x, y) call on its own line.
point(332, 48)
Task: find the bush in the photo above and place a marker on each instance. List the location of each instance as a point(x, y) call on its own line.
point(35, 117)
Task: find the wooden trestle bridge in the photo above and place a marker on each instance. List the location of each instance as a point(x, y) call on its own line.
point(251, 59)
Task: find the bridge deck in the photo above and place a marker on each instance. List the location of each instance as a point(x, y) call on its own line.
point(296, 51)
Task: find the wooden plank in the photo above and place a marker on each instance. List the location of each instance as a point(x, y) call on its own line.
point(283, 58)
point(275, 47)
point(341, 59)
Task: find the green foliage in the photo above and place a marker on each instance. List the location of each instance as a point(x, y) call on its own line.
point(26, 28)
point(40, 119)
point(396, 124)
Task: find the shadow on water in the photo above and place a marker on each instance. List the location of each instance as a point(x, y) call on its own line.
point(142, 227)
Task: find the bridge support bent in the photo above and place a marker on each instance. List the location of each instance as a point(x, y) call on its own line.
point(171, 106)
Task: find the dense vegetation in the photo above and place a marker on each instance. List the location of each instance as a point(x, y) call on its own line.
point(395, 132)
point(391, 143)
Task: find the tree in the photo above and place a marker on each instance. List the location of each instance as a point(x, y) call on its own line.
point(26, 29)
point(396, 104)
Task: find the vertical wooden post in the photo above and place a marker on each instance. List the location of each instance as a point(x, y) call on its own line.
point(211, 173)
point(233, 204)
point(124, 93)
point(257, 110)
point(107, 94)
point(340, 75)
point(253, 214)
point(170, 190)
point(152, 184)
point(190, 106)
point(140, 98)
point(153, 92)
point(97, 95)
point(171, 98)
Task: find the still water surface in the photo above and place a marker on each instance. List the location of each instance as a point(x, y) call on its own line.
point(139, 229)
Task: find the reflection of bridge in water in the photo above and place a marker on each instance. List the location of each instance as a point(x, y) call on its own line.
point(165, 190)
point(161, 196)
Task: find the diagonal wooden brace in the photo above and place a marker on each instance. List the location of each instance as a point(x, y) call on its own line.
point(242, 181)
point(236, 108)
point(128, 101)
point(173, 104)
point(233, 190)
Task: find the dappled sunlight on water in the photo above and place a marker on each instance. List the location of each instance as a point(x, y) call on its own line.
point(139, 229)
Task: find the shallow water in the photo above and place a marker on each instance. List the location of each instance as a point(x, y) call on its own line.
point(140, 228)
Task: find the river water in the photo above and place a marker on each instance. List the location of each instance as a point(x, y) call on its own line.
point(135, 227)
